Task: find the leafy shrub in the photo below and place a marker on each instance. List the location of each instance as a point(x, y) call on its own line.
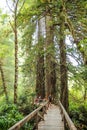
point(28, 126)
point(9, 115)
point(78, 114)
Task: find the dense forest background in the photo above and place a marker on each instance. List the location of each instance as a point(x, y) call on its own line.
point(43, 50)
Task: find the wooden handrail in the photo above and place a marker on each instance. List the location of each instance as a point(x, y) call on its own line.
point(18, 125)
point(67, 118)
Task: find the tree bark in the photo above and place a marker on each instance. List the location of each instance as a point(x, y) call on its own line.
point(85, 93)
point(3, 81)
point(15, 12)
point(50, 57)
point(16, 59)
point(40, 75)
point(63, 65)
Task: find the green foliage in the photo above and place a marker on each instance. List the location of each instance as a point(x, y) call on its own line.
point(84, 73)
point(28, 126)
point(26, 99)
point(83, 44)
point(78, 113)
point(9, 115)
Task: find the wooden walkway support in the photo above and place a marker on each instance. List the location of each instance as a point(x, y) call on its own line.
point(52, 120)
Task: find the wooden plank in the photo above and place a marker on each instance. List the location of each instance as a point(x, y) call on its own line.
point(53, 120)
point(51, 128)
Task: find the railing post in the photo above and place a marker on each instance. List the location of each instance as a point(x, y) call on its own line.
point(44, 110)
point(36, 121)
point(67, 119)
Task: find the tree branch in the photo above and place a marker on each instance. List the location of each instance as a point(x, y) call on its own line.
point(12, 26)
point(21, 6)
point(9, 7)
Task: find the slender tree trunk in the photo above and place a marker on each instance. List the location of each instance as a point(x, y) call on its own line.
point(85, 94)
point(3, 81)
point(16, 60)
point(53, 79)
point(15, 10)
point(63, 65)
point(40, 75)
point(50, 58)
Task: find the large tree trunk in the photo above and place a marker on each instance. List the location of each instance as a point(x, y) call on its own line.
point(50, 57)
point(40, 75)
point(63, 66)
point(3, 81)
point(16, 60)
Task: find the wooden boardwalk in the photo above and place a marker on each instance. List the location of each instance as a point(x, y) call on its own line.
point(52, 120)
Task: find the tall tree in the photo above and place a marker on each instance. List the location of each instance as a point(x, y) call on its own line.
point(16, 52)
point(40, 74)
point(50, 55)
point(63, 64)
point(14, 26)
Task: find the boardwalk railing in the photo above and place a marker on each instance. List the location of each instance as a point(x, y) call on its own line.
point(36, 113)
point(67, 118)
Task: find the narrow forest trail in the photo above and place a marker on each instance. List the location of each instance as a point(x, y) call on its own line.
point(52, 120)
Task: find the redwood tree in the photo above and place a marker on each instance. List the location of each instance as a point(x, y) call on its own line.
point(50, 55)
point(63, 63)
point(40, 75)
